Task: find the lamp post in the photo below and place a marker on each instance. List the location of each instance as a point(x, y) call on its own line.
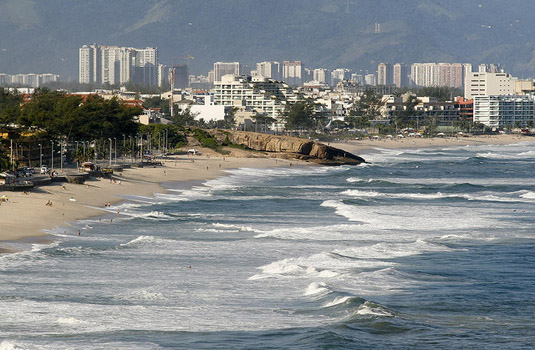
point(52, 154)
point(166, 140)
point(115, 150)
point(40, 156)
point(109, 139)
point(61, 145)
point(141, 148)
point(124, 147)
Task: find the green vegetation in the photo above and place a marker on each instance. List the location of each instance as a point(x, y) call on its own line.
point(158, 102)
point(205, 139)
point(365, 110)
point(301, 116)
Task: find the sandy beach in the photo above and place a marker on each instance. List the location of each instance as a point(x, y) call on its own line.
point(27, 215)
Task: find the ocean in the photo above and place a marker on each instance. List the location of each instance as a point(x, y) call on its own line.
point(428, 248)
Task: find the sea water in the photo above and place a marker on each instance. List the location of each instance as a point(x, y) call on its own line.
point(430, 248)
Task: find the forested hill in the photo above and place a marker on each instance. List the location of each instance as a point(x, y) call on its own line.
point(44, 36)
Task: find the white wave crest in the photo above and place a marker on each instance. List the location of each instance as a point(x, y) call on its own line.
point(141, 240)
point(143, 295)
point(388, 250)
point(231, 227)
point(69, 321)
point(371, 309)
point(528, 195)
point(337, 301)
point(316, 288)
point(7, 345)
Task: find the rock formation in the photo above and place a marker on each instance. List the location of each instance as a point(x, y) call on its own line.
point(286, 145)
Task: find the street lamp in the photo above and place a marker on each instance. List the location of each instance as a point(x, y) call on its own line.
point(40, 156)
point(52, 153)
point(115, 150)
point(61, 155)
point(110, 150)
point(124, 147)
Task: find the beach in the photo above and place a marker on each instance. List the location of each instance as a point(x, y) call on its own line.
point(27, 215)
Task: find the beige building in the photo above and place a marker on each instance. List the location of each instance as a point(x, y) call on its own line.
point(485, 84)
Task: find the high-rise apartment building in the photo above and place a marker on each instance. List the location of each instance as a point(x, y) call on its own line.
point(224, 68)
point(293, 72)
point(400, 75)
point(322, 75)
point(385, 74)
point(269, 70)
point(115, 65)
point(180, 76)
point(340, 74)
point(88, 63)
point(439, 74)
point(369, 79)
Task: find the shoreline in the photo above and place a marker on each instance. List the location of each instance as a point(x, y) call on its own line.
point(365, 146)
point(27, 217)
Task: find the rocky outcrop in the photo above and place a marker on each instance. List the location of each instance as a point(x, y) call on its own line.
point(286, 145)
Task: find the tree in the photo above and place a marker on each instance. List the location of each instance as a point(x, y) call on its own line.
point(158, 102)
point(184, 118)
point(403, 117)
point(70, 117)
point(229, 118)
point(299, 115)
point(9, 107)
point(366, 109)
point(4, 160)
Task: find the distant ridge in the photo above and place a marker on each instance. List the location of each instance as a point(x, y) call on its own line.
point(355, 34)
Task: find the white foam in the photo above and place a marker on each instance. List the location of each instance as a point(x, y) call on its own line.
point(425, 219)
point(319, 233)
point(337, 301)
point(230, 227)
point(143, 240)
point(316, 288)
point(69, 321)
point(143, 295)
point(7, 345)
point(528, 195)
point(322, 265)
point(389, 250)
point(371, 309)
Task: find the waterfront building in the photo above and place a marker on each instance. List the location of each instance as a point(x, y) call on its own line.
point(262, 96)
point(499, 111)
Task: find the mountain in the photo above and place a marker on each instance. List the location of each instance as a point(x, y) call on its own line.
point(44, 36)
